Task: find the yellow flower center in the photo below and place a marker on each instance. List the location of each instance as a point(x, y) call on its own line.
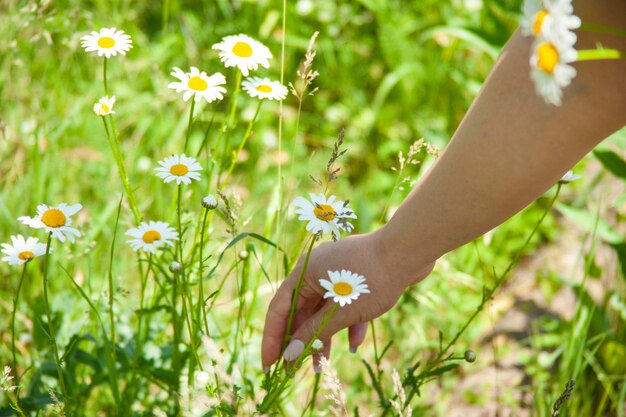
point(53, 218)
point(106, 42)
point(539, 21)
point(26, 255)
point(242, 49)
point(104, 108)
point(179, 170)
point(548, 57)
point(342, 288)
point(324, 212)
point(197, 83)
point(151, 235)
point(264, 88)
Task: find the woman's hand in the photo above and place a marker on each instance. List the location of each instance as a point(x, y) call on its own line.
point(361, 254)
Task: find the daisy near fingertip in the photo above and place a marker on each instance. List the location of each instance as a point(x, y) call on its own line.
point(21, 250)
point(243, 52)
point(198, 84)
point(264, 88)
point(151, 235)
point(104, 106)
point(551, 70)
point(324, 215)
point(344, 286)
point(55, 219)
point(179, 168)
point(107, 42)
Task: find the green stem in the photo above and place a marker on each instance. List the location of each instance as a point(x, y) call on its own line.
point(104, 77)
point(279, 174)
point(296, 292)
point(53, 340)
point(193, 104)
point(598, 54)
point(233, 106)
point(201, 303)
point(593, 27)
point(119, 160)
point(15, 301)
point(241, 145)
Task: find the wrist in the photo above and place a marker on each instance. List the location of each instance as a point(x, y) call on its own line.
point(400, 258)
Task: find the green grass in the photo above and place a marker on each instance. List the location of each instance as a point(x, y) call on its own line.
point(391, 72)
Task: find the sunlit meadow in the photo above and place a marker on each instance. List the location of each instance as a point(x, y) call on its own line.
point(163, 165)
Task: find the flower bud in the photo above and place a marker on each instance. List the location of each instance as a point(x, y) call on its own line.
point(470, 356)
point(243, 255)
point(209, 202)
point(317, 345)
point(202, 378)
point(175, 267)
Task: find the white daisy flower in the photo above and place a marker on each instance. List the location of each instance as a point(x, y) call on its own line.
point(324, 215)
point(179, 168)
point(569, 177)
point(243, 52)
point(21, 250)
point(551, 19)
point(54, 219)
point(264, 88)
point(550, 69)
point(108, 42)
point(104, 106)
point(149, 236)
point(344, 286)
point(198, 84)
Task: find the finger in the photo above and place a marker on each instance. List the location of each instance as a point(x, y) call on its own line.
point(278, 316)
point(309, 329)
point(325, 353)
point(275, 323)
point(356, 335)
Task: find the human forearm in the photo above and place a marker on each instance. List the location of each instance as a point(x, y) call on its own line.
point(510, 148)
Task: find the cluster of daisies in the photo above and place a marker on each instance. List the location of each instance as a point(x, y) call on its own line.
point(239, 51)
point(551, 23)
point(329, 215)
point(54, 220)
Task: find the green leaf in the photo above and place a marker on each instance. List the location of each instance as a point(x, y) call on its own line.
point(587, 221)
point(612, 162)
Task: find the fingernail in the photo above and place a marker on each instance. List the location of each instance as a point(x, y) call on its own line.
point(353, 349)
point(294, 349)
point(266, 369)
point(316, 368)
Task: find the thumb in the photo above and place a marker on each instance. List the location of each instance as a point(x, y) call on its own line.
point(329, 316)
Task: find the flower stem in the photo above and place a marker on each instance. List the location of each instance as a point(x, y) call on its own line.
point(201, 302)
point(296, 292)
point(53, 340)
point(233, 106)
point(241, 145)
point(15, 301)
point(193, 104)
point(593, 27)
point(597, 54)
point(104, 77)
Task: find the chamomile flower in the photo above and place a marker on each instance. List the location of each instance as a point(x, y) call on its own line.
point(55, 219)
point(149, 236)
point(243, 52)
point(198, 84)
point(108, 42)
point(104, 106)
point(179, 168)
point(550, 19)
point(551, 70)
point(324, 215)
point(22, 250)
point(264, 88)
point(344, 286)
